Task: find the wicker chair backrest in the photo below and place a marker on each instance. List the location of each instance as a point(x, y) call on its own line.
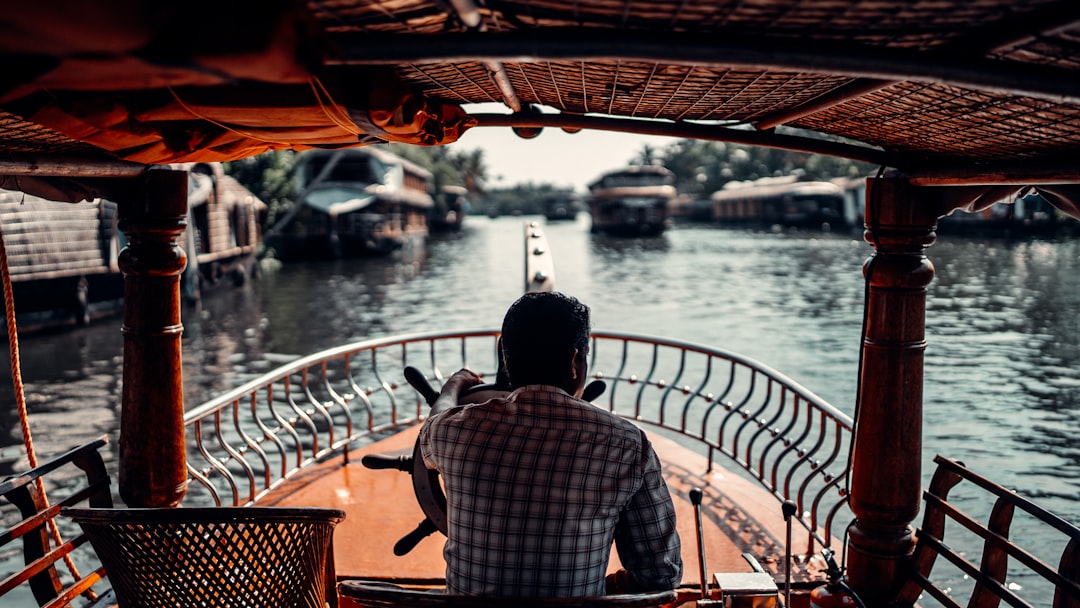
point(251, 557)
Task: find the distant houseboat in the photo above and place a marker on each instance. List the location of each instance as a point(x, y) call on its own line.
point(451, 207)
point(633, 201)
point(353, 202)
point(224, 230)
point(1025, 216)
point(62, 257)
point(781, 201)
point(559, 206)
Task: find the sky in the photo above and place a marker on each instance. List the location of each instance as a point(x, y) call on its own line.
point(556, 157)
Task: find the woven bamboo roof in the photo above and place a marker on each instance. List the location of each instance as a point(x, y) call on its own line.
point(949, 91)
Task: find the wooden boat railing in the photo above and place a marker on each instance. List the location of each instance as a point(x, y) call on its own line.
point(1007, 544)
point(250, 440)
point(52, 550)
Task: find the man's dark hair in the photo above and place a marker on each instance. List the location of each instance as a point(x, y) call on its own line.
point(539, 334)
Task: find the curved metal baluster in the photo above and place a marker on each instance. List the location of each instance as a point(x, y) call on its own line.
point(361, 394)
point(198, 475)
point(342, 403)
point(750, 418)
point(734, 409)
point(766, 426)
point(646, 382)
point(253, 446)
point(383, 385)
point(822, 470)
point(299, 413)
point(618, 377)
point(830, 517)
point(695, 394)
point(793, 446)
point(806, 456)
point(216, 464)
point(318, 407)
point(672, 385)
point(285, 425)
point(819, 471)
point(235, 456)
point(718, 401)
point(780, 436)
point(267, 433)
point(204, 482)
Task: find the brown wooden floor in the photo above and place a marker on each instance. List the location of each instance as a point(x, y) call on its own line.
point(738, 516)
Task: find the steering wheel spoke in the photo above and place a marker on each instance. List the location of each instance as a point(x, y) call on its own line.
point(385, 461)
point(410, 540)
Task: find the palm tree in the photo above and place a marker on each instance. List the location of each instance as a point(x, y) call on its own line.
point(646, 157)
point(473, 169)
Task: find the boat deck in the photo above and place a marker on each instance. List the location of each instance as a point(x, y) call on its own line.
point(737, 516)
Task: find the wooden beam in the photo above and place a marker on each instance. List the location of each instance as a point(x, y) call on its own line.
point(687, 130)
point(852, 90)
point(67, 166)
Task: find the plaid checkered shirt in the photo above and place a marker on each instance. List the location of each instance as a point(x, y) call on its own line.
point(539, 486)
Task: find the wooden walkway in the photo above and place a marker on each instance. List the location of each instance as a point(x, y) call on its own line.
point(738, 516)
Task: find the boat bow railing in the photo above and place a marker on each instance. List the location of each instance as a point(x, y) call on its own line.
point(737, 412)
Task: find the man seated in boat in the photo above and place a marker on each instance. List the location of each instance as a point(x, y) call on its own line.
point(540, 483)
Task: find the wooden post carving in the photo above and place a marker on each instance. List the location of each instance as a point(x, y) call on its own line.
point(887, 453)
point(153, 467)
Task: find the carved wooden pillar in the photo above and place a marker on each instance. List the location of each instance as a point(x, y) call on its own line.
point(153, 469)
point(887, 454)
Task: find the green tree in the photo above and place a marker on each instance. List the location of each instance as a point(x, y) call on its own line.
point(646, 156)
point(702, 167)
point(473, 169)
point(269, 177)
point(436, 159)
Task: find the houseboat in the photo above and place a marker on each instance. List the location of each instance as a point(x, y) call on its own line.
point(560, 206)
point(353, 202)
point(61, 259)
point(960, 104)
point(62, 256)
point(780, 201)
point(224, 232)
point(1024, 216)
point(632, 201)
point(450, 209)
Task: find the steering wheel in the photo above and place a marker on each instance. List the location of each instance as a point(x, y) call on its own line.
point(425, 481)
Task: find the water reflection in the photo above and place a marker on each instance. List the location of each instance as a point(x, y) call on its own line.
point(1005, 344)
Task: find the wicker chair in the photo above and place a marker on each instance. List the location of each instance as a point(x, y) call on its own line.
point(372, 594)
point(251, 557)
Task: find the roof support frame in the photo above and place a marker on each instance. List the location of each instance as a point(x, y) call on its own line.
point(917, 169)
point(684, 48)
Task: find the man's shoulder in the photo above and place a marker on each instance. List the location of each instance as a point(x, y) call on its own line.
point(596, 414)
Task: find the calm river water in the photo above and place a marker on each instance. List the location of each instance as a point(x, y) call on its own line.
point(1002, 386)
